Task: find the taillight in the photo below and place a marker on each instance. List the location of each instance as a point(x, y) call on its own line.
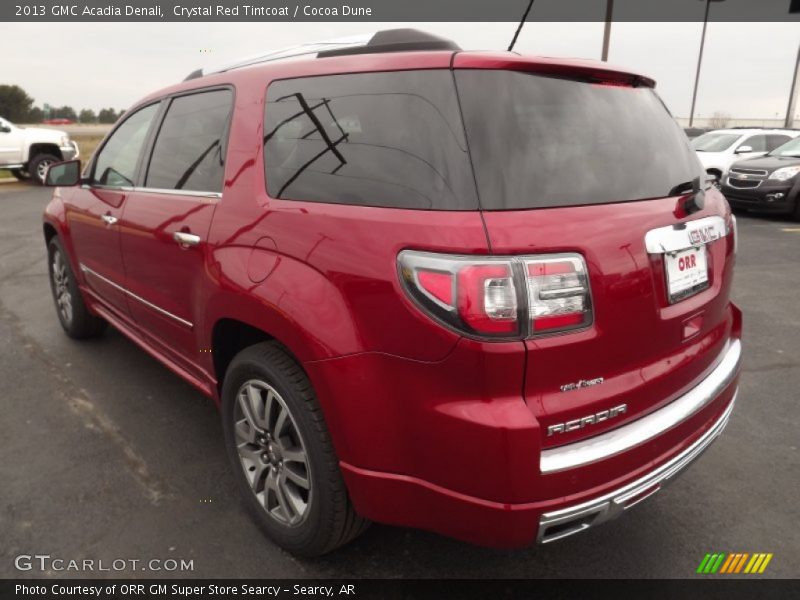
point(500, 297)
point(558, 293)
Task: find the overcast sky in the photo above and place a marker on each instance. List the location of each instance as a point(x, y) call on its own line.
point(747, 68)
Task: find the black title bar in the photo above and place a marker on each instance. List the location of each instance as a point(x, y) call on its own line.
point(732, 588)
point(395, 10)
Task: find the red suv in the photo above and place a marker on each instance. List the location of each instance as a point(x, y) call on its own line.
point(477, 293)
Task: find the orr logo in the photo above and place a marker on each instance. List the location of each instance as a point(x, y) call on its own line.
point(687, 262)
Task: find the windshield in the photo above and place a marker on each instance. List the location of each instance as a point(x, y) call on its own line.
point(714, 142)
point(540, 141)
point(791, 148)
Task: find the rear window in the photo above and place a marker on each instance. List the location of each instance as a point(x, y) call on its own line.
point(368, 139)
point(540, 141)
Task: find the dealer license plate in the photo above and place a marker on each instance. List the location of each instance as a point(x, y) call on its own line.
point(687, 272)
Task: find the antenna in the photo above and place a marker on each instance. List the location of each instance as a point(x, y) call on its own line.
point(519, 28)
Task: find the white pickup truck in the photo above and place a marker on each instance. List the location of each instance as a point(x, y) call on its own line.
point(28, 151)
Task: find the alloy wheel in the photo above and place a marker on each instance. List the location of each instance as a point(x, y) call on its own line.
point(61, 287)
point(41, 168)
point(272, 453)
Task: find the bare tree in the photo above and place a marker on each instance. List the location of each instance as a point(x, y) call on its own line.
point(719, 120)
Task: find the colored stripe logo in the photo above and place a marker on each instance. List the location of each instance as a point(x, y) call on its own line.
point(734, 562)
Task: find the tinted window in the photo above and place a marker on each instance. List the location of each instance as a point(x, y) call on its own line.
point(189, 151)
point(372, 139)
point(714, 142)
point(540, 141)
point(758, 143)
point(773, 141)
point(116, 163)
point(791, 148)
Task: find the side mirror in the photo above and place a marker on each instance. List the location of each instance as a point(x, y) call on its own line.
point(744, 149)
point(65, 173)
point(5, 129)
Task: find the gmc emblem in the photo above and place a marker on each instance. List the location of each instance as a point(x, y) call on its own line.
point(703, 235)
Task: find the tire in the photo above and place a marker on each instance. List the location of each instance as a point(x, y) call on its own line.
point(796, 213)
point(282, 442)
point(38, 165)
point(21, 175)
point(72, 312)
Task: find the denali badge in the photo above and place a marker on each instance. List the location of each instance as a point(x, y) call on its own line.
point(599, 417)
point(581, 384)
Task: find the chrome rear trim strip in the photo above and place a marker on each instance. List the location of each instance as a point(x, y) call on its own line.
point(130, 294)
point(622, 439)
point(577, 518)
point(672, 238)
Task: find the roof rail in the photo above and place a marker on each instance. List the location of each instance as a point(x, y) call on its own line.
point(389, 40)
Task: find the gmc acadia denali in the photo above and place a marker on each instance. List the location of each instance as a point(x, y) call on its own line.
point(476, 293)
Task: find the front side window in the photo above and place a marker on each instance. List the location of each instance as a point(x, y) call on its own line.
point(116, 163)
point(189, 149)
point(758, 143)
point(368, 139)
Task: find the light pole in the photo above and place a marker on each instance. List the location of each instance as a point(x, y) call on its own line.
point(700, 60)
point(792, 94)
point(607, 29)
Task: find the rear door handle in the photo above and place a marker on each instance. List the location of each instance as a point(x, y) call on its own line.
point(186, 239)
point(109, 219)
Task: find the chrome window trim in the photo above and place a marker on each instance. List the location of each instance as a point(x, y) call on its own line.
point(613, 504)
point(672, 239)
point(147, 190)
point(130, 294)
point(192, 193)
point(622, 439)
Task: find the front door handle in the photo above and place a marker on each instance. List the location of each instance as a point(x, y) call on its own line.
point(109, 219)
point(186, 239)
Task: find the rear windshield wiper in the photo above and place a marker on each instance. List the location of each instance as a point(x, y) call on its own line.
point(696, 195)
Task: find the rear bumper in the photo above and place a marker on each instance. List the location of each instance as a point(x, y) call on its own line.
point(558, 524)
point(453, 447)
point(566, 502)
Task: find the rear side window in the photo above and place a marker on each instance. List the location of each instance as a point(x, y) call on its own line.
point(369, 139)
point(116, 163)
point(189, 150)
point(541, 141)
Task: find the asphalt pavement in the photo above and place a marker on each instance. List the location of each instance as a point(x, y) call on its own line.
point(105, 455)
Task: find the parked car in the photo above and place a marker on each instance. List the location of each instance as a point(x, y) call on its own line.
point(719, 149)
point(769, 183)
point(58, 121)
point(481, 294)
point(28, 151)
